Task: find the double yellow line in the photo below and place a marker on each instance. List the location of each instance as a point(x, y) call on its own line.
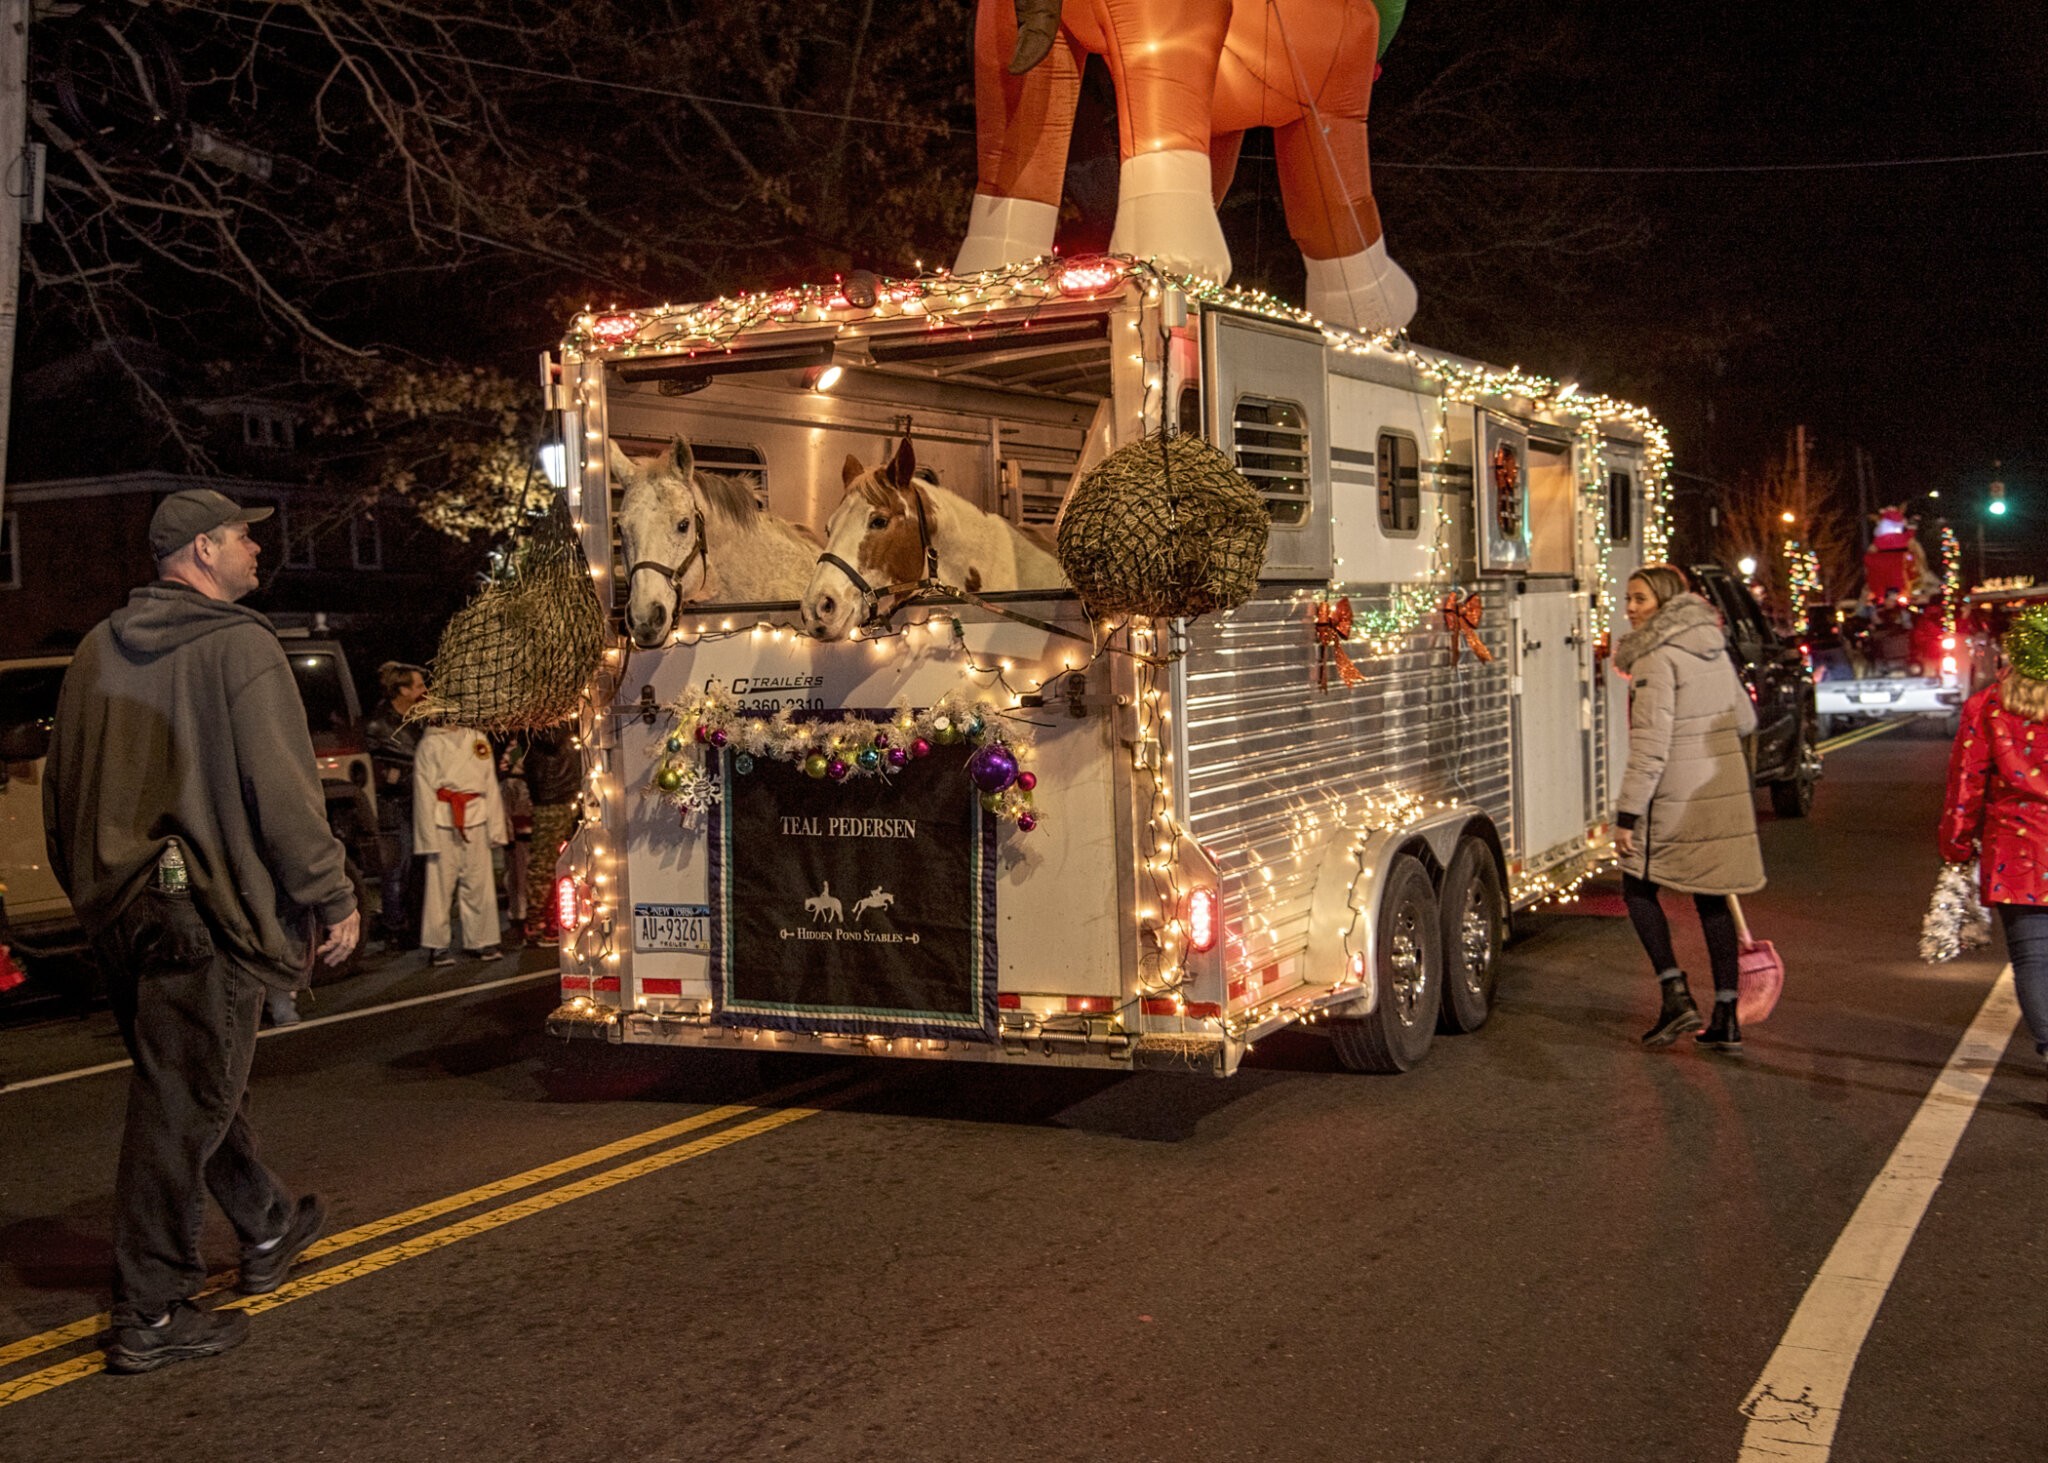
point(767, 1118)
point(1862, 734)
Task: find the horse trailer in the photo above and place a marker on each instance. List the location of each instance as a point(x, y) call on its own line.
point(1320, 807)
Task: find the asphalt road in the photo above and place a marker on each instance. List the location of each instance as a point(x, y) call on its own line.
point(1544, 1244)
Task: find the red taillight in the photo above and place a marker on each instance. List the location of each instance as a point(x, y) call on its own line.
point(1090, 276)
point(1202, 921)
point(569, 906)
point(1091, 1005)
point(1948, 642)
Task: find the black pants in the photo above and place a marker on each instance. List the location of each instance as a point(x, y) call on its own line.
point(1717, 923)
point(188, 1017)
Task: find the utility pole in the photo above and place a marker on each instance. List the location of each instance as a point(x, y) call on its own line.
point(1862, 501)
point(13, 187)
point(1801, 430)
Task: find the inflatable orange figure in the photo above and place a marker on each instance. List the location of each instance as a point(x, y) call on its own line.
point(1191, 76)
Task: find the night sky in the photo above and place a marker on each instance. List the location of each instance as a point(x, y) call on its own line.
point(1899, 309)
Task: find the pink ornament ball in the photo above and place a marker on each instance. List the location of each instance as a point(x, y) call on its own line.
point(703, 732)
point(920, 748)
point(836, 770)
point(1027, 780)
point(1025, 822)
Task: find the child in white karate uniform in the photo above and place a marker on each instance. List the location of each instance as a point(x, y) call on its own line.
point(458, 818)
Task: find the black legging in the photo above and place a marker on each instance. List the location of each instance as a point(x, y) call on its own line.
point(1717, 923)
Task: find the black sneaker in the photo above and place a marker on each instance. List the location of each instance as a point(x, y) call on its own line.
point(186, 1334)
point(264, 1271)
point(443, 956)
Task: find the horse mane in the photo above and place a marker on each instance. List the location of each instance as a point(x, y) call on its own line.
point(731, 498)
point(882, 493)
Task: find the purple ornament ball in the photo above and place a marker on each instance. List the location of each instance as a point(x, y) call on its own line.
point(1025, 822)
point(836, 770)
point(898, 757)
point(920, 748)
point(993, 768)
point(881, 739)
point(718, 736)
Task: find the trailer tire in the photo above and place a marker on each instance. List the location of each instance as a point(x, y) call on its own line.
point(1474, 929)
point(1408, 976)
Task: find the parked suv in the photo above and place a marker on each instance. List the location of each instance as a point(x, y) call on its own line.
point(1783, 754)
point(36, 918)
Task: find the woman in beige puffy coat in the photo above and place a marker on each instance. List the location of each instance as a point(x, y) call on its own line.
point(1686, 818)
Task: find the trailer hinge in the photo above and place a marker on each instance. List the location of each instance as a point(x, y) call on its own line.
point(647, 708)
point(1077, 695)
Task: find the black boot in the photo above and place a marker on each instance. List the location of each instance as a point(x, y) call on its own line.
point(1679, 1015)
point(1724, 1033)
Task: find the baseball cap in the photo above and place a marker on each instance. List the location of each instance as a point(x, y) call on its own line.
point(183, 516)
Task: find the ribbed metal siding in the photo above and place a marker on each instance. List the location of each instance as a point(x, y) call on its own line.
point(1275, 768)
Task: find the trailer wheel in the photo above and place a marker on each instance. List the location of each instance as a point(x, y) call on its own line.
point(1474, 929)
point(1408, 974)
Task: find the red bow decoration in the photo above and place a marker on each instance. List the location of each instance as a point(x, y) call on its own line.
point(1333, 623)
point(1462, 620)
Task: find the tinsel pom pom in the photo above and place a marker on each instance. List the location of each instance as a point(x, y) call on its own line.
point(1956, 918)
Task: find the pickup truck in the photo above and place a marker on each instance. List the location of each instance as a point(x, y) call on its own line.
point(1902, 666)
point(1784, 755)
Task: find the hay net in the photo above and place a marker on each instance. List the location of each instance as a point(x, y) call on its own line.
point(1164, 526)
point(519, 656)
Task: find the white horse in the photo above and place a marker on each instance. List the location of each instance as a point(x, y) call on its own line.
point(896, 526)
point(692, 536)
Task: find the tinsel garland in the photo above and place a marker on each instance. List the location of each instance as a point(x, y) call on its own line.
point(2026, 643)
point(843, 748)
point(1956, 918)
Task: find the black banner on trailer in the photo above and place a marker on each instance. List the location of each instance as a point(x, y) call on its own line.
point(860, 906)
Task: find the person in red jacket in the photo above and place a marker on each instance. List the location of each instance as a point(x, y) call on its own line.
point(1997, 807)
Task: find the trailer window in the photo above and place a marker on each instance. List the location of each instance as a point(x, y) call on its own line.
point(1272, 450)
point(1621, 500)
point(1398, 465)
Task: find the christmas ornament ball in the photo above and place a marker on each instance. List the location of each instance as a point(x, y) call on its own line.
point(703, 732)
point(920, 748)
point(868, 758)
point(898, 757)
point(976, 727)
point(1025, 822)
point(669, 779)
point(993, 767)
point(837, 770)
point(948, 736)
point(674, 744)
point(1027, 780)
point(881, 739)
point(815, 765)
point(991, 802)
point(718, 736)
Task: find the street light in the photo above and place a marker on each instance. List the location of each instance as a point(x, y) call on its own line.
point(1747, 565)
point(1789, 516)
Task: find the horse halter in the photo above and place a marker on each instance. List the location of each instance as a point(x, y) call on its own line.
point(871, 596)
point(674, 576)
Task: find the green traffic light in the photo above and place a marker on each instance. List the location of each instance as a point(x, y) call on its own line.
point(1998, 507)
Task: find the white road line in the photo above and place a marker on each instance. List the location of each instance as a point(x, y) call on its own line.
point(1795, 1405)
point(306, 1025)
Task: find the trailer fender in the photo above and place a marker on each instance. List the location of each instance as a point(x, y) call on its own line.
point(1344, 912)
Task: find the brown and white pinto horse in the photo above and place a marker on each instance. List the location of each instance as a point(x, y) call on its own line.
point(896, 527)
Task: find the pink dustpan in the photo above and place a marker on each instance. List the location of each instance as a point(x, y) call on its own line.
point(1760, 973)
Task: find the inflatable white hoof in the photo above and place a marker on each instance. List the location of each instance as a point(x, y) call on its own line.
point(1005, 231)
point(1164, 212)
point(1366, 291)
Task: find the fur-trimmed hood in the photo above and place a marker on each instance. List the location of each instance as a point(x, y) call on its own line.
point(1685, 622)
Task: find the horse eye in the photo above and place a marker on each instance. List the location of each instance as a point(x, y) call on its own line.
point(683, 527)
point(878, 522)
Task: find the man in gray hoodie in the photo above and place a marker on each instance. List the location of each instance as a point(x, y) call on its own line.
point(186, 822)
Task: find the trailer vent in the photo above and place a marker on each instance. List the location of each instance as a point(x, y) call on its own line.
point(1271, 438)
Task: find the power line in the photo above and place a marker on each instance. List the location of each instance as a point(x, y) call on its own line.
point(1838, 167)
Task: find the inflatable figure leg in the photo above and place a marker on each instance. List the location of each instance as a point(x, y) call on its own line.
point(1366, 291)
point(1327, 182)
point(1022, 127)
point(1164, 212)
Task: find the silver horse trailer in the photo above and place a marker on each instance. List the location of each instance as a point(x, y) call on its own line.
point(1320, 807)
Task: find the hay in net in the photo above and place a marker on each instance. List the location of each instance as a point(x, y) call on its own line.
point(518, 656)
point(1164, 527)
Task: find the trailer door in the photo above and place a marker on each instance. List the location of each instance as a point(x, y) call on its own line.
point(1266, 408)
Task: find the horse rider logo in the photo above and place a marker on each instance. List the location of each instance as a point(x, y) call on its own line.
point(823, 907)
point(880, 899)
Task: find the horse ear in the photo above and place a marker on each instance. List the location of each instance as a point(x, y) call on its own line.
point(620, 464)
point(852, 470)
point(903, 466)
point(680, 454)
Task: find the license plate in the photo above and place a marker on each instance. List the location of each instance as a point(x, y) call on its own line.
point(685, 927)
point(1874, 698)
